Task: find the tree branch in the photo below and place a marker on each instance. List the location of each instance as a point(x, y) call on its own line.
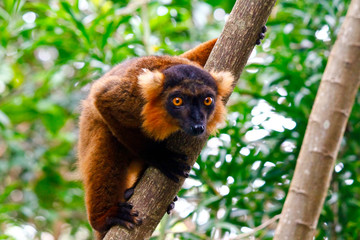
point(154, 191)
point(258, 228)
point(324, 132)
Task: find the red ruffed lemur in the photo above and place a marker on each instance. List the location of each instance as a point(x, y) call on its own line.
point(126, 119)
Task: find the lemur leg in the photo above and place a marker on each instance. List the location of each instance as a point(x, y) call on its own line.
point(105, 180)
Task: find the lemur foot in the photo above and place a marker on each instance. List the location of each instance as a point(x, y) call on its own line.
point(123, 214)
point(261, 35)
point(172, 205)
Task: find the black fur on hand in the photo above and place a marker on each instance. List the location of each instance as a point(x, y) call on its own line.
point(170, 163)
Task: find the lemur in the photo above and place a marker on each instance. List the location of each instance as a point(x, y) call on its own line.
point(126, 119)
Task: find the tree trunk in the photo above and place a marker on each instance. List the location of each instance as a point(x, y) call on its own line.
point(324, 132)
point(154, 191)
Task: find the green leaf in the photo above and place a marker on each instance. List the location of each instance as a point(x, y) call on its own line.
point(80, 26)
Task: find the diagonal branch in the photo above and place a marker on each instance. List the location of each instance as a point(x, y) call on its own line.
point(324, 132)
point(154, 191)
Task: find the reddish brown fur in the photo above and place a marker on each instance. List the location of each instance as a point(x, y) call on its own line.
point(157, 123)
point(204, 49)
point(112, 133)
point(155, 126)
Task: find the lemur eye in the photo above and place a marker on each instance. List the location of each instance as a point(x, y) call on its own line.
point(177, 101)
point(208, 101)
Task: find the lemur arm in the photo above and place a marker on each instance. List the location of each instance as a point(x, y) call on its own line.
point(114, 101)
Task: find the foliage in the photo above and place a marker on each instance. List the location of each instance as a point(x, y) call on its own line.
point(51, 50)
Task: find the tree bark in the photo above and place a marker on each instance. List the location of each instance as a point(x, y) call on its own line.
point(154, 192)
point(324, 132)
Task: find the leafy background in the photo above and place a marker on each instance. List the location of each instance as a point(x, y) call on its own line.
point(50, 52)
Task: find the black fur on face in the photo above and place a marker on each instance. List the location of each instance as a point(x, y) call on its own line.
point(194, 87)
point(186, 75)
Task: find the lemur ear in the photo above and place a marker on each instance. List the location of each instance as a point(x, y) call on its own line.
point(151, 84)
point(224, 81)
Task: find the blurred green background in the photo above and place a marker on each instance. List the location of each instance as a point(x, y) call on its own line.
point(51, 51)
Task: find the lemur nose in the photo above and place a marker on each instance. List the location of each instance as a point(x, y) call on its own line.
point(197, 129)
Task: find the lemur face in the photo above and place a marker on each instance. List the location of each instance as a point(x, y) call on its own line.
point(183, 97)
point(190, 94)
point(191, 110)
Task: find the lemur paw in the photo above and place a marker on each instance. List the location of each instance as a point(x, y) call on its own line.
point(261, 35)
point(123, 215)
point(179, 156)
point(170, 163)
point(172, 205)
point(172, 169)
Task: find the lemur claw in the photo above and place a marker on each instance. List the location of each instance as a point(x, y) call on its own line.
point(123, 215)
point(128, 193)
point(172, 205)
point(261, 35)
